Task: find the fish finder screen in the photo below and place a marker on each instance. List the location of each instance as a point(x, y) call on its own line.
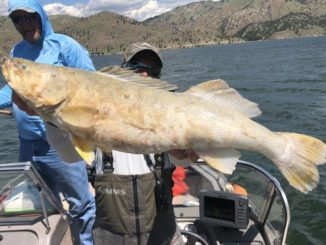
point(218, 208)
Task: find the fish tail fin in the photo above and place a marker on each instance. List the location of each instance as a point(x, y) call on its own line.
point(299, 162)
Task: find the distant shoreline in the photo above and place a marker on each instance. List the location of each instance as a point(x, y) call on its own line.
point(223, 42)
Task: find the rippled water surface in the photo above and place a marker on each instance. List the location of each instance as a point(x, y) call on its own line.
point(287, 78)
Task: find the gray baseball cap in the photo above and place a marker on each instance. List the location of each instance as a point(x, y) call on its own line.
point(135, 48)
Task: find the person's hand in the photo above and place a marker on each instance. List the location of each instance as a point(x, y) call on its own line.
point(184, 154)
point(22, 105)
point(142, 73)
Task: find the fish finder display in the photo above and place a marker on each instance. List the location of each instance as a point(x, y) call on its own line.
point(224, 209)
point(218, 208)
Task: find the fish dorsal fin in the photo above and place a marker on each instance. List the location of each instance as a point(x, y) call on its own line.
point(131, 76)
point(218, 91)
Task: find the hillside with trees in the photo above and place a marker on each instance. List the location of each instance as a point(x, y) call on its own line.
point(198, 23)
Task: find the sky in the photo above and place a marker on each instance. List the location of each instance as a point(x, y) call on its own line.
point(136, 9)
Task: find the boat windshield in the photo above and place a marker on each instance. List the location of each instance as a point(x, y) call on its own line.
point(267, 204)
point(23, 195)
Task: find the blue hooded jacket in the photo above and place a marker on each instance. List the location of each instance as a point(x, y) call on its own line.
point(52, 48)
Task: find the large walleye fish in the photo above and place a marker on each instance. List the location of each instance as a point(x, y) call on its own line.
point(110, 112)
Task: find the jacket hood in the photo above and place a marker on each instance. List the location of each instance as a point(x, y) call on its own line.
point(29, 6)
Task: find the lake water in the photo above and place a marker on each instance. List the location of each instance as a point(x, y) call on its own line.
point(287, 78)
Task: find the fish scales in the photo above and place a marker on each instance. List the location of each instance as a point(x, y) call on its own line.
point(138, 112)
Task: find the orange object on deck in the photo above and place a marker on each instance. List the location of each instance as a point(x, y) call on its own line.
point(178, 176)
point(239, 190)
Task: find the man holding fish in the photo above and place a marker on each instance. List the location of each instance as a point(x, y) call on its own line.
point(41, 44)
point(134, 191)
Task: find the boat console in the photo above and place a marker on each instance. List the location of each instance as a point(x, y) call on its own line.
point(224, 208)
point(247, 207)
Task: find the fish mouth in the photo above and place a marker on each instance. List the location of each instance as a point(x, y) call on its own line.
point(9, 70)
point(2, 60)
point(4, 69)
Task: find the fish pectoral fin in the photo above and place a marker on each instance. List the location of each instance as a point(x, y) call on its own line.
point(219, 92)
point(79, 116)
point(84, 148)
point(223, 160)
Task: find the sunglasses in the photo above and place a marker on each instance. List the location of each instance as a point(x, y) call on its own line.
point(141, 67)
point(26, 17)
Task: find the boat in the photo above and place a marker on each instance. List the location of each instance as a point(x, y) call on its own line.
point(247, 207)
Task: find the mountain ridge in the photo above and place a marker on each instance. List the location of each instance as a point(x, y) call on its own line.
point(194, 24)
